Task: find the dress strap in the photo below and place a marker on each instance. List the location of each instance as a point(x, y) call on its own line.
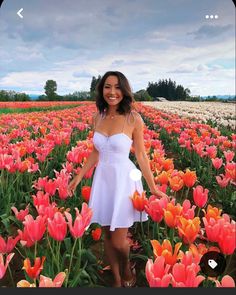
point(124, 123)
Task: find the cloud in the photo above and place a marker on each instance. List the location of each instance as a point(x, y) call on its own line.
point(210, 31)
point(148, 40)
point(82, 74)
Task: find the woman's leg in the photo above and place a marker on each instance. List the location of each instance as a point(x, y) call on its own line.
point(121, 245)
point(112, 256)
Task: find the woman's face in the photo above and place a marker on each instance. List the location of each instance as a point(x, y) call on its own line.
point(111, 91)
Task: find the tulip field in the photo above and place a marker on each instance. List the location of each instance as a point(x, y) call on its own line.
point(46, 239)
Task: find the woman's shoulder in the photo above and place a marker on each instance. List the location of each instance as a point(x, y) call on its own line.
point(95, 117)
point(135, 118)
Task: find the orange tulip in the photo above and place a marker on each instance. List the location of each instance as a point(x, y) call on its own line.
point(163, 177)
point(212, 212)
point(139, 201)
point(25, 284)
point(189, 229)
point(176, 183)
point(166, 251)
point(172, 214)
point(189, 178)
point(167, 164)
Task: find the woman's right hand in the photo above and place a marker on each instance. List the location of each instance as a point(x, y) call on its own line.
point(73, 184)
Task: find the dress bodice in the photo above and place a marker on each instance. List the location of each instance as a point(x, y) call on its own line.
point(114, 148)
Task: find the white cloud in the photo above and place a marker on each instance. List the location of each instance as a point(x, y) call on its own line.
point(146, 40)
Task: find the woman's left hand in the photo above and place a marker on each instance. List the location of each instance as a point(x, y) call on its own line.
point(158, 193)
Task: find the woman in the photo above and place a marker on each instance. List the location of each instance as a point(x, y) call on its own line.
point(116, 128)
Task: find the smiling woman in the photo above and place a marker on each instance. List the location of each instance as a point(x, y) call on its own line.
point(116, 127)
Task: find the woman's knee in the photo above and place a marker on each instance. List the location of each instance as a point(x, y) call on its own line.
point(119, 244)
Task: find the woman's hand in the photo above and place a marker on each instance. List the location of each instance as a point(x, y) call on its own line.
point(73, 184)
point(158, 193)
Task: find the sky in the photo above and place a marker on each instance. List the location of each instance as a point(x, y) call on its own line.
point(147, 40)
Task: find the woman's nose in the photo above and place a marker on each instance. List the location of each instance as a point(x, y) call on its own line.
point(112, 90)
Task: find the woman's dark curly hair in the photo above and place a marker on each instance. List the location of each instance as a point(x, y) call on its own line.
point(126, 104)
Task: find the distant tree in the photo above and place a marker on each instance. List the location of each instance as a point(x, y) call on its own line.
point(13, 96)
point(93, 85)
point(22, 97)
point(167, 89)
point(77, 96)
point(50, 90)
point(142, 95)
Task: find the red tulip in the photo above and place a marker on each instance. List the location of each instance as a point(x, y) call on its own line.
point(33, 271)
point(96, 233)
point(85, 192)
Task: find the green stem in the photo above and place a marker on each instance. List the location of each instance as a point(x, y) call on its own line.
point(141, 225)
point(158, 229)
point(9, 269)
point(171, 235)
point(35, 250)
point(228, 264)
point(154, 230)
point(198, 211)
point(186, 196)
point(71, 258)
point(58, 255)
point(53, 255)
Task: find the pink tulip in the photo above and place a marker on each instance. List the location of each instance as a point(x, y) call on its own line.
point(35, 227)
point(227, 237)
point(57, 227)
point(226, 282)
point(217, 163)
point(185, 276)
point(157, 273)
point(20, 215)
point(222, 180)
point(41, 198)
point(211, 151)
point(200, 196)
point(212, 228)
point(7, 247)
point(229, 155)
point(155, 208)
point(188, 211)
point(230, 171)
point(45, 282)
point(3, 267)
point(81, 222)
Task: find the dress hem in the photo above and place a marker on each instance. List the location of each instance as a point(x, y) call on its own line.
point(119, 226)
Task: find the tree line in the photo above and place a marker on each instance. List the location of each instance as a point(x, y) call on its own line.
point(164, 88)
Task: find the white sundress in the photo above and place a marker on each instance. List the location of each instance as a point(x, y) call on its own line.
point(112, 186)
